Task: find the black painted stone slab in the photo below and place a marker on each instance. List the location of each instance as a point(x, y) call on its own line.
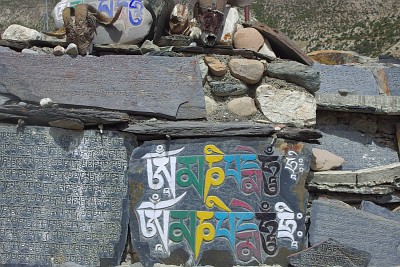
point(329, 254)
point(63, 196)
point(371, 207)
point(393, 80)
point(359, 150)
point(218, 202)
point(355, 80)
point(358, 229)
point(155, 86)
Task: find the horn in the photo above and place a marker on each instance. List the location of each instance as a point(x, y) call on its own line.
point(60, 33)
point(103, 19)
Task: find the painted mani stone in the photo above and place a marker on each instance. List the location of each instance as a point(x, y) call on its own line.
point(63, 196)
point(218, 201)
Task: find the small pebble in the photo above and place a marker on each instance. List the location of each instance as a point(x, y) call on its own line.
point(46, 102)
point(58, 51)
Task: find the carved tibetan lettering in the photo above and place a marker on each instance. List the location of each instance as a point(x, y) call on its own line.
point(63, 196)
point(220, 194)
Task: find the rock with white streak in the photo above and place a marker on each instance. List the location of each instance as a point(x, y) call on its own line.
point(225, 36)
point(287, 106)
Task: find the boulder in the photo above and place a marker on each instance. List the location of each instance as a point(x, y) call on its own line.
point(248, 38)
point(216, 67)
point(132, 26)
point(323, 160)
point(295, 72)
point(21, 33)
point(286, 106)
point(243, 107)
point(225, 36)
point(247, 70)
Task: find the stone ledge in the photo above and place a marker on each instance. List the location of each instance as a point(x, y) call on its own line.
point(389, 105)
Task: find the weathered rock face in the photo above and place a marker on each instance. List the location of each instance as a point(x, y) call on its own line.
point(323, 160)
point(243, 106)
point(225, 36)
point(266, 49)
point(334, 57)
point(228, 88)
point(295, 72)
point(188, 199)
point(247, 70)
point(216, 67)
point(248, 38)
point(133, 25)
point(286, 106)
point(21, 33)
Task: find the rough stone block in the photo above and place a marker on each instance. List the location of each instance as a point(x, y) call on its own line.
point(372, 208)
point(393, 80)
point(218, 202)
point(63, 196)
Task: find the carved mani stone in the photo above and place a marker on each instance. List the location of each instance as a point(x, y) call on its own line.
point(330, 253)
point(219, 202)
point(63, 196)
point(393, 80)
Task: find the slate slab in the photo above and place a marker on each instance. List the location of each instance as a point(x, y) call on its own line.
point(156, 86)
point(357, 229)
point(393, 80)
point(218, 201)
point(330, 253)
point(359, 150)
point(355, 80)
point(372, 208)
point(63, 196)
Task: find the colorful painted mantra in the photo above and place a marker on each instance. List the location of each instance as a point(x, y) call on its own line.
point(241, 202)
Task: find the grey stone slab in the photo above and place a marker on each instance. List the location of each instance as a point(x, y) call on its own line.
point(358, 229)
point(371, 207)
point(156, 86)
point(219, 202)
point(393, 80)
point(63, 196)
point(329, 254)
point(356, 80)
point(359, 150)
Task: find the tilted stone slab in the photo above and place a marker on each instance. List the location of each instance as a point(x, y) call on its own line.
point(355, 80)
point(393, 80)
point(371, 207)
point(360, 151)
point(156, 86)
point(218, 201)
point(357, 229)
point(63, 196)
point(330, 253)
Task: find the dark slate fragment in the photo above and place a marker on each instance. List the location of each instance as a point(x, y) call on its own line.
point(63, 195)
point(228, 89)
point(15, 45)
point(372, 208)
point(393, 80)
point(357, 229)
point(124, 83)
point(330, 253)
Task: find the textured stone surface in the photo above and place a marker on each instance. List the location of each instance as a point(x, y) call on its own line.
point(356, 80)
point(364, 123)
point(4, 49)
point(191, 204)
point(330, 253)
point(58, 50)
point(72, 49)
point(211, 106)
point(225, 36)
point(21, 33)
point(286, 106)
point(358, 150)
point(248, 38)
point(228, 88)
point(266, 49)
point(176, 93)
point(323, 160)
point(372, 208)
point(216, 67)
point(295, 72)
point(248, 70)
point(132, 26)
point(72, 124)
point(393, 80)
point(63, 195)
point(358, 229)
point(243, 106)
point(334, 57)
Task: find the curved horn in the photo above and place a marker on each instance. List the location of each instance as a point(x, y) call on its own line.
point(103, 19)
point(60, 33)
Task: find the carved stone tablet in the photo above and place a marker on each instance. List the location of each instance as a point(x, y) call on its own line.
point(63, 197)
point(157, 86)
point(219, 202)
point(393, 80)
point(356, 81)
point(329, 254)
point(371, 207)
point(359, 150)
